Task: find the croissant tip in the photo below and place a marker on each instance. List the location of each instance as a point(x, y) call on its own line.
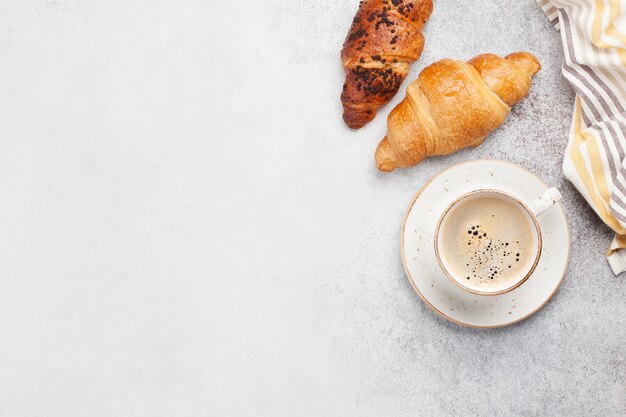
point(525, 61)
point(384, 156)
point(357, 118)
point(386, 167)
point(353, 125)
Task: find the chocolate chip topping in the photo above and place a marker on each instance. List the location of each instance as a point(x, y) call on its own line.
point(377, 81)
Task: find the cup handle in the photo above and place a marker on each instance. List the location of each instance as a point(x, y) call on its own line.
point(545, 201)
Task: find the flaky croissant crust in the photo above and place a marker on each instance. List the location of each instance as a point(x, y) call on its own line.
point(453, 105)
point(384, 39)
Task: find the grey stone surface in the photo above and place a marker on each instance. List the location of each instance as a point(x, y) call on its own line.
point(188, 228)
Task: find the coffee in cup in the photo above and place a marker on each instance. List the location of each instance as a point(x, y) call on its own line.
point(488, 241)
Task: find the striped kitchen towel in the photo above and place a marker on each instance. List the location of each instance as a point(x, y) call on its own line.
point(594, 44)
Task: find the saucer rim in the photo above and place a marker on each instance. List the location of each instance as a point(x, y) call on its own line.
point(441, 313)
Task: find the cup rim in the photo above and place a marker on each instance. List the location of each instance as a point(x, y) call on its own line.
point(530, 214)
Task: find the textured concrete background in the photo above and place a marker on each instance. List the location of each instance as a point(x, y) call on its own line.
point(187, 227)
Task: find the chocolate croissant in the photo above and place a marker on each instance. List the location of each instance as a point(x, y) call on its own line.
point(383, 41)
point(453, 105)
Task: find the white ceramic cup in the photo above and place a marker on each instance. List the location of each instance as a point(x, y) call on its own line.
point(532, 211)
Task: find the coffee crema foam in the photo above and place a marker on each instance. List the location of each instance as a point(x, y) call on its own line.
point(488, 241)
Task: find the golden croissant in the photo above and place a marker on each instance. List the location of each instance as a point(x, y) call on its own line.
point(453, 105)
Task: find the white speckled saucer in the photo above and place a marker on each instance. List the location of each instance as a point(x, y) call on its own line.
point(448, 299)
